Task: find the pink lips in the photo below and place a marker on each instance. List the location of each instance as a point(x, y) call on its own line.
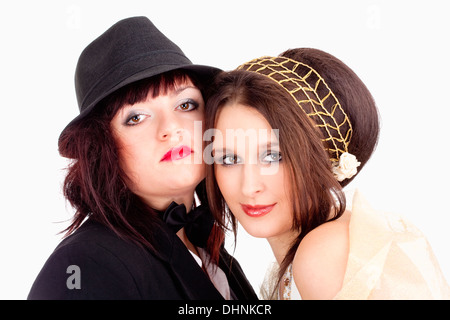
point(258, 210)
point(176, 153)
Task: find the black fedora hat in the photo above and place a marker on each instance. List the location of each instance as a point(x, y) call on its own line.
point(131, 50)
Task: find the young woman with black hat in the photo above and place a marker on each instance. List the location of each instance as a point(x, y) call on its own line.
point(136, 157)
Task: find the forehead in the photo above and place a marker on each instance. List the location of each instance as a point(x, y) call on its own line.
point(240, 116)
point(242, 124)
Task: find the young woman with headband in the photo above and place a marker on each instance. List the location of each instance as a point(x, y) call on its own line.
point(304, 125)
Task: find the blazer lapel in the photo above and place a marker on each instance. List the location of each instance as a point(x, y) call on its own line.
point(193, 282)
point(193, 279)
point(237, 280)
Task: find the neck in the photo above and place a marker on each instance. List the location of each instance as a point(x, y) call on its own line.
point(182, 234)
point(280, 244)
point(162, 203)
point(187, 199)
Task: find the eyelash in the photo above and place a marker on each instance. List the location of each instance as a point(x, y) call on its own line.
point(278, 155)
point(188, 102)
point(129, 123)
point(237, 160)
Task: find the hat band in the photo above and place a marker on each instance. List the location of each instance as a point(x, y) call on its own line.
point(316, 99)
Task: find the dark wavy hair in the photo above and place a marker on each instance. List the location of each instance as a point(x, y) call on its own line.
point(317, 197)
point(95, 184)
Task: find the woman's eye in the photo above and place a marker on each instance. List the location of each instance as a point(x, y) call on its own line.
point(188, 106)
point(272, 157)
point(230, 160)
point(136, 119)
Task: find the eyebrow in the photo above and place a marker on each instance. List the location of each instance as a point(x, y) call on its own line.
point(176, 91)
point(183, 87)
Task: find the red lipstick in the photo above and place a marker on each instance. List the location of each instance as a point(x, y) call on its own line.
point(176, 153)
point(258, 210)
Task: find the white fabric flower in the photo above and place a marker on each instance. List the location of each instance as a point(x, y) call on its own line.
point(347, 167)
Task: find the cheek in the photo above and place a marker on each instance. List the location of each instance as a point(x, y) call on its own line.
point(197, 133)
point(124, 155)
point(128, 163)
point(227, 182)
point(286, 217)
point(135, 159)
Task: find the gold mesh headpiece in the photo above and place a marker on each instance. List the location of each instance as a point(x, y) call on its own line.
point(313, 95)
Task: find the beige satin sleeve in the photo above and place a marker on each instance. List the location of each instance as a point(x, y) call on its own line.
point(389, 258)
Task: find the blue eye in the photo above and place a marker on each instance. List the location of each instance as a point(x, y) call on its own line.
point(272, 157)
point(229, 160)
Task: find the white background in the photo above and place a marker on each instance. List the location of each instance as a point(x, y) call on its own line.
point(398, 48)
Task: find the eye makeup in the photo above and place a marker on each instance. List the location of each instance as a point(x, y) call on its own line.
point(188, 105)
point(135, 117)
point(229, 158)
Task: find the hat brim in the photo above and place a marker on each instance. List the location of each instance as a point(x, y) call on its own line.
point(204, 72)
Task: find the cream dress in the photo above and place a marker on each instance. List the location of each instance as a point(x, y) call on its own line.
point(389, 258)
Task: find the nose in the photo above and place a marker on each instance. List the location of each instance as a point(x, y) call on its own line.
point(174, 134)
point(252, 183)
point(169, 128)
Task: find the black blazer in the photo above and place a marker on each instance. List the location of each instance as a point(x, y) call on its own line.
point(112, 268)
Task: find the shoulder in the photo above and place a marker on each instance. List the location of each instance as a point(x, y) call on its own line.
point(94, 241)
point(321, 260)
point(105, 266)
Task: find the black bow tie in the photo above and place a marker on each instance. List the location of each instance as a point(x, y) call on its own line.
point(197, 223)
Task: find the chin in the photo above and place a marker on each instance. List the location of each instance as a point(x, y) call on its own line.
point(186, 179)
point(259, 230)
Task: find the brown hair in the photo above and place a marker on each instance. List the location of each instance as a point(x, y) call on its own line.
point(315, 192)
point(95, 184)
point(354, 97)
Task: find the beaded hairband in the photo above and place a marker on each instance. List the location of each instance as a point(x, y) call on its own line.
point(305, 85)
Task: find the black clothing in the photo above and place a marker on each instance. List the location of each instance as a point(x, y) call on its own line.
point(112, 268)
